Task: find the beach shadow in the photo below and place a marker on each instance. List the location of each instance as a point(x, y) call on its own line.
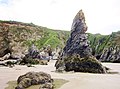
point(113, 72)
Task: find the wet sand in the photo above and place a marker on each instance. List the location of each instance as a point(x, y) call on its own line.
point(76, 80)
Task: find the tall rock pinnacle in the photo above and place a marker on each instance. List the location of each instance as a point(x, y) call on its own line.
point(78, 43)
point(77, 55)
point(79, 23)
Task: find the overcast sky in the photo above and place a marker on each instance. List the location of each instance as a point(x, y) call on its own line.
point(102, 16)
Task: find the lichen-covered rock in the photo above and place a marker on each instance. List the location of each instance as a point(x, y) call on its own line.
point(34, 78)
point(77, 54)
point(77, 64)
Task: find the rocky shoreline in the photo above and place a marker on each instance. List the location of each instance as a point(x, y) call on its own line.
point(83, 80)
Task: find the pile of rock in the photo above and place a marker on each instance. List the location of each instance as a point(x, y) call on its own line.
point(77, 54)
point(34, 56)
point(35, 78)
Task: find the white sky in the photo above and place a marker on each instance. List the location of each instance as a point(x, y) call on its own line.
point(102, 16)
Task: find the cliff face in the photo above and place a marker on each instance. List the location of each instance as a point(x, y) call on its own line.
point(106, 47)
point(16, 37)
point(4, 42)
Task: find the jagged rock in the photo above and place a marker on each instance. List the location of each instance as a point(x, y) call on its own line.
point(78, 43)
point(35, 57)
point(33, 51)
point(111, 54)
point(106, 48)
point(35, 78)
point(77, 54)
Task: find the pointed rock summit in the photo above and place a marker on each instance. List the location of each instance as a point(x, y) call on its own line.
point(77, 54)
point(78, 43)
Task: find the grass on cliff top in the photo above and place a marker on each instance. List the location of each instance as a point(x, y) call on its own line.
point(49, 37)
point(57, 84)
point(98, 42)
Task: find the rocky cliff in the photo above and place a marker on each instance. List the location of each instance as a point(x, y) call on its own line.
point(4, 42)
point(16, 37)
point(106, 47)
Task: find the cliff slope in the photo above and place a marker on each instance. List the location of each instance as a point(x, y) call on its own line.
point(16, 37)
point(106, 47)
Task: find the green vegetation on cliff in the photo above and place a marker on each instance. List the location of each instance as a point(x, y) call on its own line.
point(98, 42)
point(106, 47)
point(17, 37)
point(25, 34)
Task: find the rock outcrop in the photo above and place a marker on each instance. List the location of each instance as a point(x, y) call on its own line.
point(78, 43)
point(4, 42)
point(77, 54)
point(106, 48)
point(111, 54)
point(35, 78)
point(13, 37)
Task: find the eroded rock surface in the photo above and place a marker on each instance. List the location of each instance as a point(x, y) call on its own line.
point(77, 54)
point(111, 54)
point(77, 42)
point(106, 48)
point(34, 78)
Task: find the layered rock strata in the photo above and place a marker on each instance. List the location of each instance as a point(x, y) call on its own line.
point(77, 54)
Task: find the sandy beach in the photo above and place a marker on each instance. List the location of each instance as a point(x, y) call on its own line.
point(76, 80)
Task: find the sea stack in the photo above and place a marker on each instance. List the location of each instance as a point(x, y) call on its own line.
point(77, 54)
point(78, 42)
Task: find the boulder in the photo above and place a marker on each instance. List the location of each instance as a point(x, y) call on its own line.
point(77, 54)
point(35, 78)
